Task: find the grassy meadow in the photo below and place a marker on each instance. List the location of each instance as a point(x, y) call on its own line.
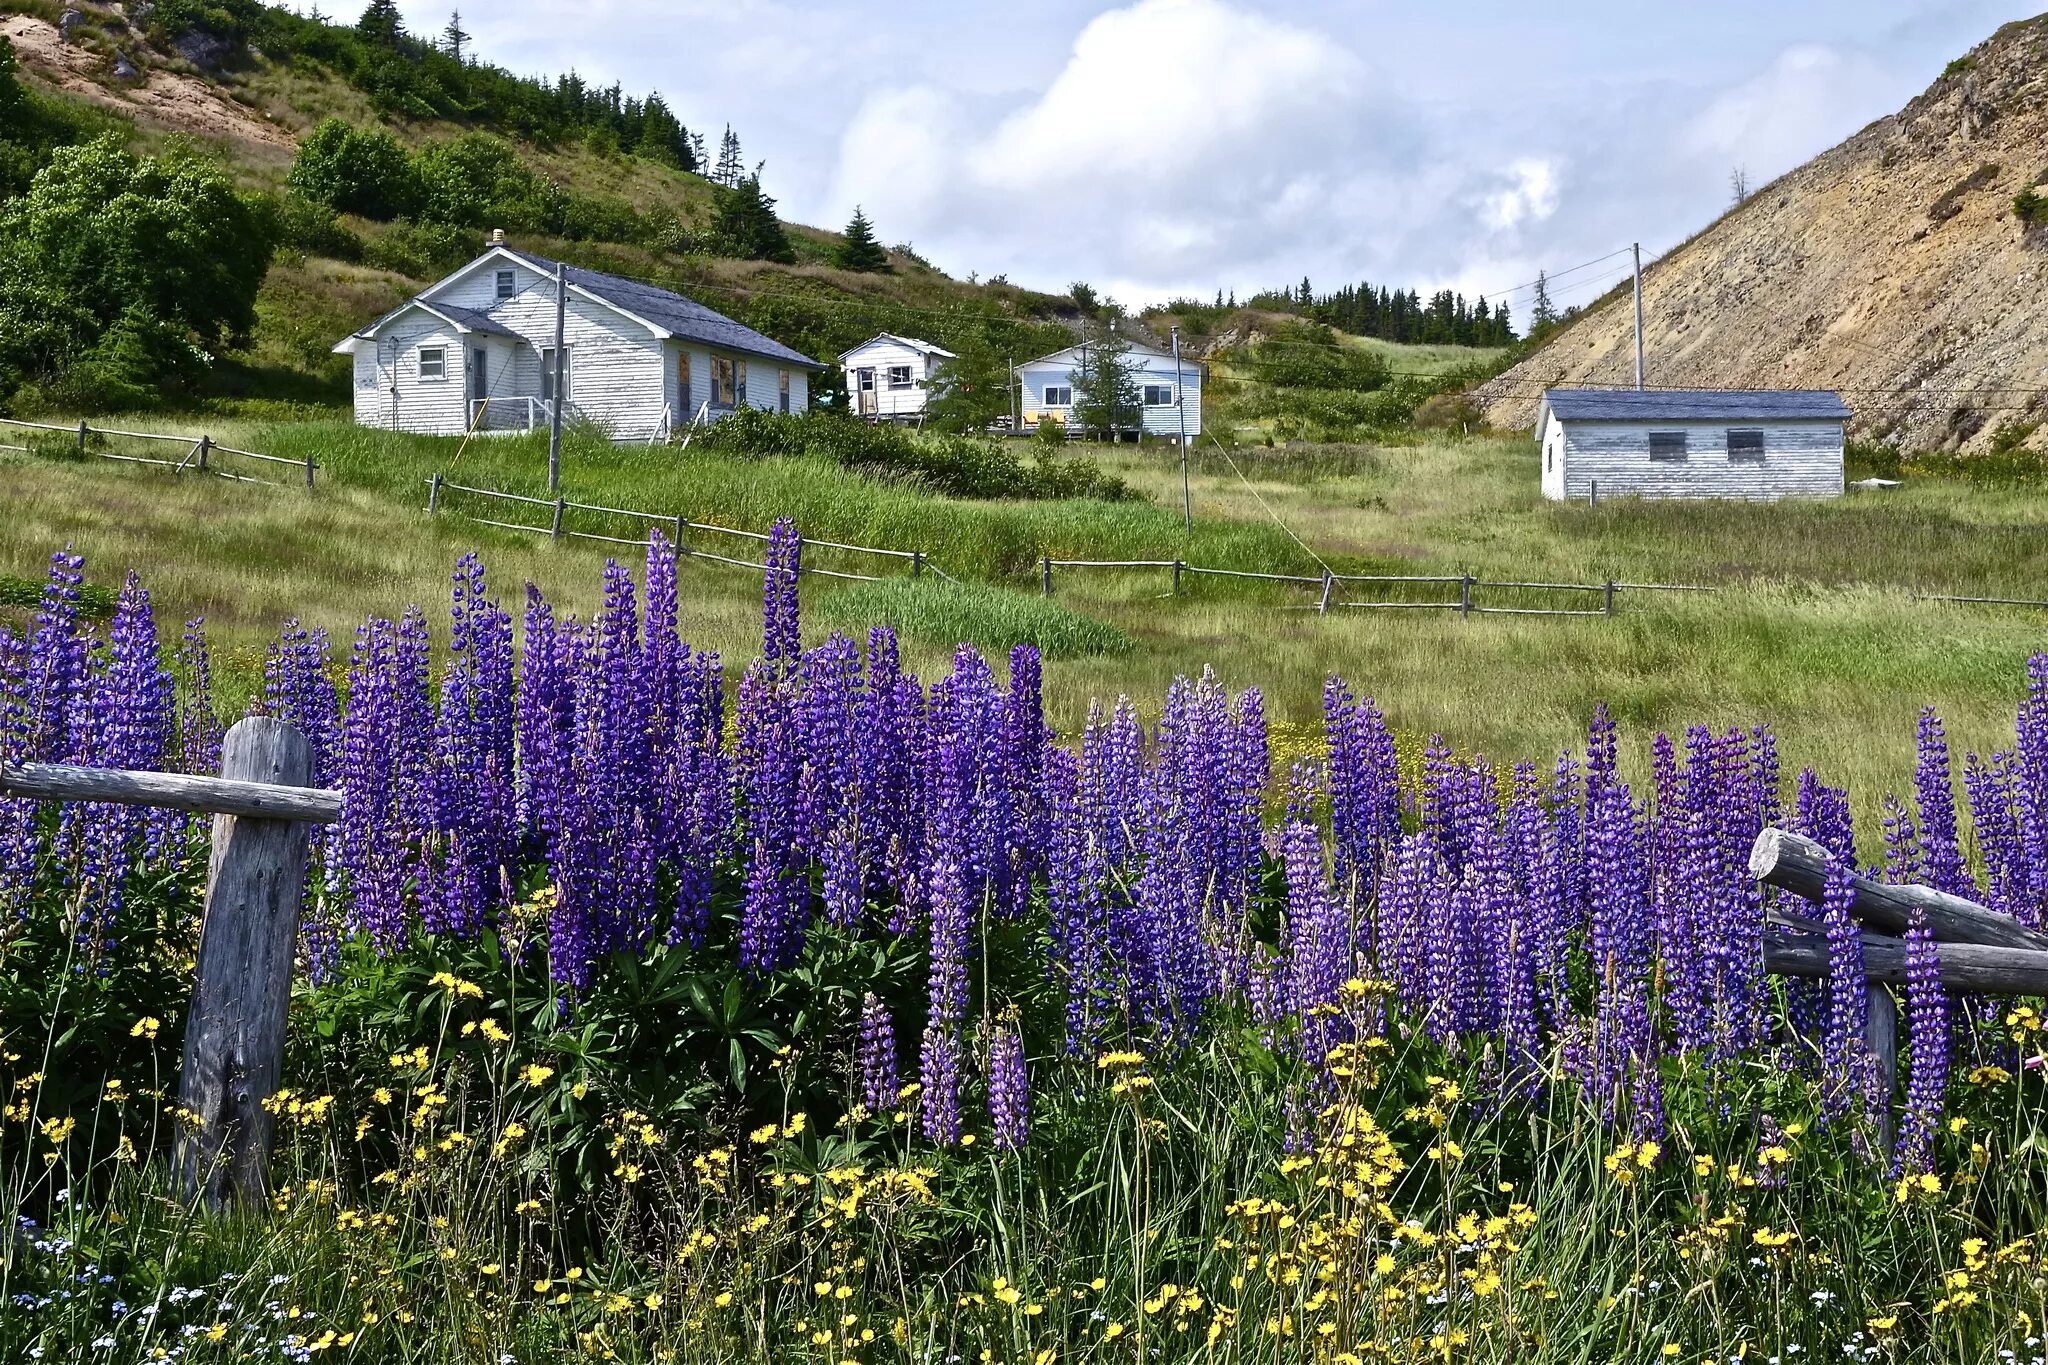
point(1814, 627)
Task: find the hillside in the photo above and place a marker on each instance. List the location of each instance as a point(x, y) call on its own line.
point(1894, 267)
point(629, 206)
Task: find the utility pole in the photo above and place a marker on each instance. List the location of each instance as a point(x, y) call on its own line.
point(1638, 248)
point(1180, 417)
point(561, 368)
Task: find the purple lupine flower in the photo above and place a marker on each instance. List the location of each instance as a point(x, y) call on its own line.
point(952, 928)
point(1941, 850)
point(1821, 813)
point(781, 628)
point(1995, 820)
point(1901, 843)
point(1009, 1089)
point(1365, 795)
point(472, 798)
point(771, 915)
point(298, 689)
point(1076, 894)
point(199, 727)
point(1846, 1057)
point(1927, 1017)
point(938, 1077)
point(875, 1059)
point(1321, 953)
point(2031, 787)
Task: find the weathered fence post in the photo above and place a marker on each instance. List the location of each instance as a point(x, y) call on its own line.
point(1465, 595)
point(205, 445)
point(309, 471)
point(1596, 492)
point(1323, 603)
point(1045, 575)
point(561, 506)
point(82, 431)
point(917, 563)
point(682, 529)
point(434, 494)
point(1607, 596)
point(234, 1038)
point(1176, 577)
point(1881, 1033)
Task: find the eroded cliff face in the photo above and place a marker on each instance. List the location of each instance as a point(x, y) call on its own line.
point(1892, 267)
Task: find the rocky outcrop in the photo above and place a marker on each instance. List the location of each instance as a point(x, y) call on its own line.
point(1892, 267)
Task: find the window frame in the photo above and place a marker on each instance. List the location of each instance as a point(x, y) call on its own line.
point(1668, 455)
point(1065, 400)
point(908, 381)
point(506, 284)
point(440, 371)
point(1166, 392)
point(1747, 454)
point(725, 382)
point(782, 377)
point(547, 374)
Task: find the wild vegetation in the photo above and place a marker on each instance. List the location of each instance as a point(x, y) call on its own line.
point(879, 1026)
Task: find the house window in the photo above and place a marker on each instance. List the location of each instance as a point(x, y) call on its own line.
point(547, 374)
point(740, 369)
point(1667, 445)
point(782, 376)
point(1746, 445)
point(507, 284)
point(724, 384)
point(1059, 395)
point(1158, 396)
point(899, 376)
point(433, 362)
point(683, 384)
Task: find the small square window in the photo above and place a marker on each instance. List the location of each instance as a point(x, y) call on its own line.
point(899, 376)
point(1059, 395)
point(1746, 445)
point(1667, 445)
point(724, 382)
point(508, 284)
point(547, 373)
point(1158, 396)
point(433, 362)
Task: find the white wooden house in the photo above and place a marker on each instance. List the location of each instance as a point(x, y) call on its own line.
point(1171, 392)
point(887, 377)
point(476, 352)
point(1693, 443)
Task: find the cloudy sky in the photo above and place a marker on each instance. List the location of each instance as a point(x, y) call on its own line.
point(1155, 147)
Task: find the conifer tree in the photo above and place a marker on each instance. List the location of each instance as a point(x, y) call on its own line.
point(453, 37)
point(859, 250)
point(730, 170)
point(381, 23)
point(744, 224)
point(1542, 312)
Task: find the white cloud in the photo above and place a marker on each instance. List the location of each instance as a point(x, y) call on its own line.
point(1804, 100)
point(1530, 194)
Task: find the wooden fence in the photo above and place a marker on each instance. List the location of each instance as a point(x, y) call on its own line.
point(681, 531)
point(199, 457)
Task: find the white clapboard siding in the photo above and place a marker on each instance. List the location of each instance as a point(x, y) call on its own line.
point(1802, 459)
point(615, 364)
point(389, 391)
point(881, 355)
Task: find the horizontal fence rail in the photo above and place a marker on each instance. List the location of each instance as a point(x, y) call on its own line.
point(197, 459)
point(680, 530)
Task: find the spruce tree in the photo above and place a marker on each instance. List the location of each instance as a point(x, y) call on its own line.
point(1106, 394)
point(381, 23)
point(1542, 312)
point(453, 37)
point(859, 251)
point(744, 224)
point(730, 170)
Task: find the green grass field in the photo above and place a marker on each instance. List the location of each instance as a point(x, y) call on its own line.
point(1814, 629)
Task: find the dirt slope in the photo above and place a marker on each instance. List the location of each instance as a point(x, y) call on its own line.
point(1892, 267)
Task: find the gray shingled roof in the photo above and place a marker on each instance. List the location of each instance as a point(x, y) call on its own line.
point(673, 313)
point(467, 318)
point(1694, 405)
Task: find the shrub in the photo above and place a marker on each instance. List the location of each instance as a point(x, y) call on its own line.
point(1051, 432)
point(2031, 207)
point(420, 249)
point(309, 227)
point(356, 170)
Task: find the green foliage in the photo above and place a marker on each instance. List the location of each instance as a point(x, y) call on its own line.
point(420, 250)
point(958, 466)
point(31, 126)
point(356, 170)
point(1311, 357)
point(126, 271)
point(1959, 66)
point(858, 250)
point(2030, 206)
point(993, 618)
point(1050, 433)
point(1106, 393)
point(310, 227)
point(970, 391)
point(744, 224)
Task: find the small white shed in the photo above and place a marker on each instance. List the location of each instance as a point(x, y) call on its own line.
point(1170, 390)
point(1692, 443)
point(886, 377)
